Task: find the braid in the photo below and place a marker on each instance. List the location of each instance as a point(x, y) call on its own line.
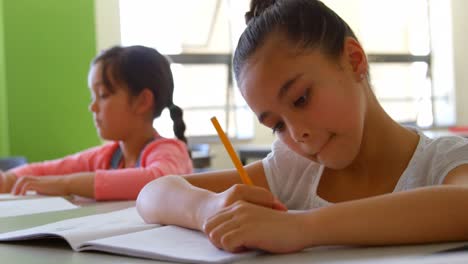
point(179, 125)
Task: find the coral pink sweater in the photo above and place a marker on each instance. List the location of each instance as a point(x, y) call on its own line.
point(160, 157)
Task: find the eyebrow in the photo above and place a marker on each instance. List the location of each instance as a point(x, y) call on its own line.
point(282, 91)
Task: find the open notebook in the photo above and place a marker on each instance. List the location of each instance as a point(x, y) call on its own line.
point(124, 232)
point(11, 206)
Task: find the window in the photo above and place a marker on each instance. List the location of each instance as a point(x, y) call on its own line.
point(407, 58)
point(197, 37)
point(407, 43)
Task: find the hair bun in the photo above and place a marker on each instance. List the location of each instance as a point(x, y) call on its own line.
point(256, 8)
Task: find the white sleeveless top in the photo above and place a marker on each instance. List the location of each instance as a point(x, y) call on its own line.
point(294, 179)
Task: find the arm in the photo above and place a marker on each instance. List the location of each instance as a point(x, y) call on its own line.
point(162, 157)
point(81, 184)
point(69, 175)
point(195, 203)
point(87, 160)
point(220, 181)
point(86, 173)
point(172, 200)
point(432, 214)
point(424, 215)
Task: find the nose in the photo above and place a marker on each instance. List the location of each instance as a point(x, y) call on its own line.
point(299, 132)
point(92, 106)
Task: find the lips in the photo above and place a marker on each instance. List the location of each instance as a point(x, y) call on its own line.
point(314, 156)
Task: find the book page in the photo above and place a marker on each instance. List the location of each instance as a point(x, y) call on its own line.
point(170, 243)
point(79, 230)
point(29, 195)
point(34, 206)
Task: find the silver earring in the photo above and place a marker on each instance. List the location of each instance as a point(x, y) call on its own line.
point(361, 77)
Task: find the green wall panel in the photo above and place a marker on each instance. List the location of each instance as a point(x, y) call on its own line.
point(4, 149)
point(48, 46)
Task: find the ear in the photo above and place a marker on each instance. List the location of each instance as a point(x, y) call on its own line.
point(356, 57)
point(144, 102)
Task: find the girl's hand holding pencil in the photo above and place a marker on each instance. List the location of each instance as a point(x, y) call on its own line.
point(244, 217)
point(248, 193)
point(245, 225)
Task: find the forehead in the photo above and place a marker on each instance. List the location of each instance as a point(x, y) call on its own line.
point(272, 65)
point(95, 75)
point(270, 57)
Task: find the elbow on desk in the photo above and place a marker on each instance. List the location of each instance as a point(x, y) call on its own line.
point(147, 202)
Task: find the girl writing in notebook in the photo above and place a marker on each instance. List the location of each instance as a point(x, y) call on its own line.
point(356, 176)
point(130, 86)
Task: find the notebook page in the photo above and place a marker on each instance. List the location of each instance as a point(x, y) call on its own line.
point(170, 243)
point(29, 195)
point(34, 206)
point(79, 230)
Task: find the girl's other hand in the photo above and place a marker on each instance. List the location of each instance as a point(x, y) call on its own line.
point(7, 180)
point(244, 225)
point(49, 185)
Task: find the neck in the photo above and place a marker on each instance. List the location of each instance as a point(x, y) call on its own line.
point(133, 145)
point(386, 145)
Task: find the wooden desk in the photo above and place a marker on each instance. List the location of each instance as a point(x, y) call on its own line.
point(58, 251)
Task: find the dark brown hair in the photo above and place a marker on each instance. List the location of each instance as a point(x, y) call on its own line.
point(140, 67)
point(307, 23)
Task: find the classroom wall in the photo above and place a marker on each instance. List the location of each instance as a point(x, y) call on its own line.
point(4, 148)
point(107, 23)
point(48, 46)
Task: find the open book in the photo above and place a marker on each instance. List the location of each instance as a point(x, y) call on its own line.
point(124, 232)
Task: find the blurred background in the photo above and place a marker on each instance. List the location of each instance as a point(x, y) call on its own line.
point(416, 50)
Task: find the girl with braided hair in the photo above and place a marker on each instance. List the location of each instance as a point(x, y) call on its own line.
point(130, 87)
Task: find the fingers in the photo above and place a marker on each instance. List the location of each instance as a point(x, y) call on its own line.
point(277, 205)
point(216, 227)
point(228, 229)
point(29, 183)
point(20, 186)
point(226, 235)
point(234, 241)
point(230, 235)
point(26, 187)
point(42, 185)
point(252, 194)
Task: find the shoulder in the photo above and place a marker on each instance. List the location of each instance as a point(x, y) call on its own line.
point(168, 146)
point(435, 158)
point(448, 147)
point(104, 149)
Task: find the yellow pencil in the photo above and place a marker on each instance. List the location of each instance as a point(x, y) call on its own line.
point(228, 146)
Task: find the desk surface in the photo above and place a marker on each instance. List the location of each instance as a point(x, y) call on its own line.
point(58, 251)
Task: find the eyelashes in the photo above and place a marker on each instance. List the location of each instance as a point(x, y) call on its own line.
point(278, 127)
point(300, 102)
